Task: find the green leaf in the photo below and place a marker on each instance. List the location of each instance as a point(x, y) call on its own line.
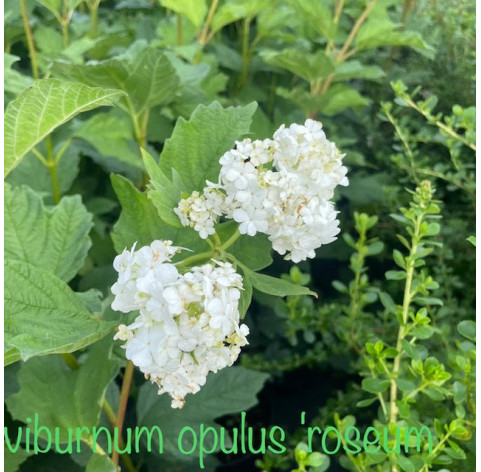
point(405, 464)
point(383, 32)
point(55, 239)
point(316, 459)
point(196, 145)
point(194, 10)
point(252, 251)
point(318, 15)
point(339, 97)
point(53, 5)
point(13, 460)
point(467, 328)
point(147, 78)
point(387, 302)
point(372, 385)
point(64, 398)
point(229, 391)
point(139, 222)
point(163, 193)
point(349, 70)
point(234, 10)
point(111, 134)
point(395, 275)
point(472, 240)
point(309, 66)
point(100, 463)
point(43, 315)
point(274, 286)
point(399, 259)
point(40, 109)
point(246, 297)
point(14, 81)
point(91, 299)
point(405, 385)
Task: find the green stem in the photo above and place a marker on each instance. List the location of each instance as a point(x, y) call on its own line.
point(402, 329)
point(64, 22)
point(231, 240)
point(245, 54)
point(30, 43)
point(70, 360)
point(435, 451)
point(204, 37)
point(196, 257)
point(93, 8)
point(448, 130)
point(404, 141)
point(179, 29)
point(52, 167)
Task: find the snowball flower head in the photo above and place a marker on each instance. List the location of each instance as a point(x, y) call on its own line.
point(188, 324)
point(281, 187)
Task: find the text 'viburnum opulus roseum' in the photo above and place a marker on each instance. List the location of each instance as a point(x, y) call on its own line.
point(188, 324)
point(281, 187)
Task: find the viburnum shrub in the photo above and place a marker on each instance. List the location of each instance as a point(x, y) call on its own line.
point(171, 200)
point(189, 321)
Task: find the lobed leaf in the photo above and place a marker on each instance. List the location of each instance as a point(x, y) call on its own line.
point(54, 239)
point(43, 315)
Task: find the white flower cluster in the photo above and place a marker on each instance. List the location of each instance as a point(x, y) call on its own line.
point(281, 187)
point(188, 324)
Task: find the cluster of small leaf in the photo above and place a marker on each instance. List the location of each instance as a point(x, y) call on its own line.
point(452, 136)
point(417, 372)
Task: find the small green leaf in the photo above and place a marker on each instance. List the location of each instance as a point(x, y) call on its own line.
point(395, 275)
point(467, 328)
point(399, 259)
point(246, 297)
point(387, 302)
point(372, 385)
point(274, 286)
point(405, 464)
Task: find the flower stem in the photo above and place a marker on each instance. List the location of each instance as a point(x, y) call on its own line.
point(195, 258)
point(124, 396)
point(231, 240)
